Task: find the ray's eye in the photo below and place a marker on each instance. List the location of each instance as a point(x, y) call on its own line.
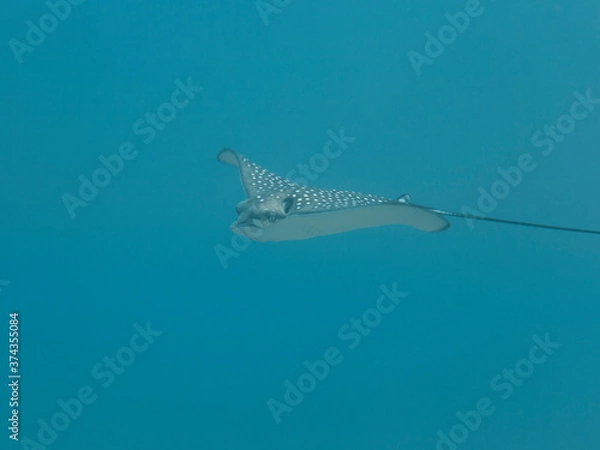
point(271, 217)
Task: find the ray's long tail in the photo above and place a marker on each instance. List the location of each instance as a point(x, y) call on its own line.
point(513, 222)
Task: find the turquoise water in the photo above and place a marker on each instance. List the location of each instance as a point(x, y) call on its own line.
point(143, 325)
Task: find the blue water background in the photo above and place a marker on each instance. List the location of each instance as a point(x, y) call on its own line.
point(145, 249)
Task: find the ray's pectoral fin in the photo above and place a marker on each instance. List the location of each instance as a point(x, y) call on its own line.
point(229, 157)
point(305, 226)
point(257, 182)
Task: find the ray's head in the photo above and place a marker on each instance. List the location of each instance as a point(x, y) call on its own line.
point(256, 215)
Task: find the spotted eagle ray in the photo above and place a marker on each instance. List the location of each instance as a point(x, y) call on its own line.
point(277, 209)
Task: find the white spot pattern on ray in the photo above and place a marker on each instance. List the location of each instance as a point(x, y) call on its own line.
point(263, 184)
